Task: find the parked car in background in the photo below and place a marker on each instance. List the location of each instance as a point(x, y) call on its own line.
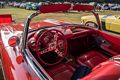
point(116, 7)
point(10, 3)
point(28, 5)
point(2, 4)
point(105, 7)
point(93, 3)
point(17, 4)
point(35, 6)
point(22, 5)
point(40, 3)
point(109, 23)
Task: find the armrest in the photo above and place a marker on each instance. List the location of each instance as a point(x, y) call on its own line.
point(106, 48)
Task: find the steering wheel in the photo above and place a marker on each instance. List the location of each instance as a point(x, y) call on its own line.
point(51, 47)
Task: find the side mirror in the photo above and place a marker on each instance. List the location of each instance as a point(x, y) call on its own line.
point(13, 41)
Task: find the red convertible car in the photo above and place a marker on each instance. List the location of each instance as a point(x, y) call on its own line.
point(57, 50)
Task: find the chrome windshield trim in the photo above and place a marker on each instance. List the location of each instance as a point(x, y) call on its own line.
point(40, 72)
point(26, 28)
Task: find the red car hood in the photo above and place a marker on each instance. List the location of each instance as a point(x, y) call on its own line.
point(47, 22)
point(34, 25)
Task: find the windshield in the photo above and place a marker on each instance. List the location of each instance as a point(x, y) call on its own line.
point(57, 14)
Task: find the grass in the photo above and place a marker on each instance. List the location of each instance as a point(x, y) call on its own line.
point(21, 14)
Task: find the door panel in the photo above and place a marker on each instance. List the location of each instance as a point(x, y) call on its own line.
point(112, 39)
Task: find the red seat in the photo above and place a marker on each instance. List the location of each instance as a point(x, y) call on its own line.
point(108, 70)
point(91, 58)
point(61, 72)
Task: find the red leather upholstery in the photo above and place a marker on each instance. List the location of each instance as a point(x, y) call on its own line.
point(61, 72)
point(109, 70)
point(91, 58)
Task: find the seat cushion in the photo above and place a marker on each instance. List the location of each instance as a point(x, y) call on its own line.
point(91, 58)
point(61, 72)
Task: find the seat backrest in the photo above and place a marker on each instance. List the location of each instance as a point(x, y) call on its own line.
point(5, 18)
point(109, 70)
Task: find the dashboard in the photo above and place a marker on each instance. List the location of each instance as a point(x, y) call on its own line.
point(69, 33)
